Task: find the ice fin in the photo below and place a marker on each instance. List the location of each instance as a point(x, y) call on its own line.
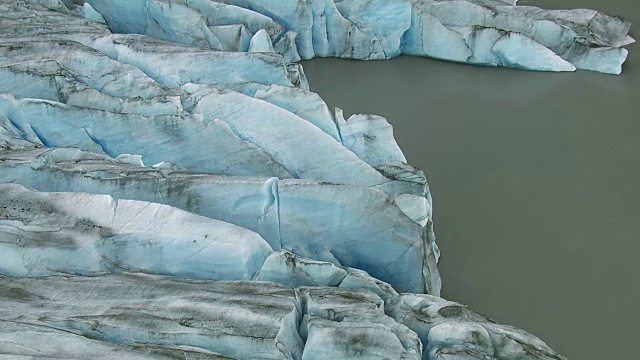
point(261, 42)
point(90, 13)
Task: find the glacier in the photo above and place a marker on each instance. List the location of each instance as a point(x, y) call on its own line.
point(171, 188)
point(484, 32)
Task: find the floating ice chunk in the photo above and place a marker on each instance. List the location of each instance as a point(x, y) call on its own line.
point(290, 270)
point(261, 42)
point(76, 233)
point(240, 320)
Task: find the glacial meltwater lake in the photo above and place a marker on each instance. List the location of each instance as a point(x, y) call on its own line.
point(535, 179)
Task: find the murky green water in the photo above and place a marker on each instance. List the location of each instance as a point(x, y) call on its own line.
point(536, 184)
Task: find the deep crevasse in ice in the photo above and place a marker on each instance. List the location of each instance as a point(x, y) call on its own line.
point(220, 175)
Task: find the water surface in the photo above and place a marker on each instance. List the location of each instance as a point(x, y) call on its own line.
point(536, 185)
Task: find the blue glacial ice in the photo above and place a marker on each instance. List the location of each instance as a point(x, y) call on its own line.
point(86, 234)
point(170, 188)
point(346, 225)
point(484, 32)
point(90, 13)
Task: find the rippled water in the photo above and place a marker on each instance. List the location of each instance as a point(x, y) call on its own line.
point(536, 183)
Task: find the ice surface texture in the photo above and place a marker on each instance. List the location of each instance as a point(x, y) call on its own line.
point(174, 190)
point(136, 316)
point(484, 32)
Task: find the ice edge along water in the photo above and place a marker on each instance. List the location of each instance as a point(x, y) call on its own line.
point(78, 101)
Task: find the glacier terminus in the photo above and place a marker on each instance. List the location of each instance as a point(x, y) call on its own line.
point(171, 188)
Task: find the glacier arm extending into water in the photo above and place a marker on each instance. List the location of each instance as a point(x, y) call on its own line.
point(484, 32)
